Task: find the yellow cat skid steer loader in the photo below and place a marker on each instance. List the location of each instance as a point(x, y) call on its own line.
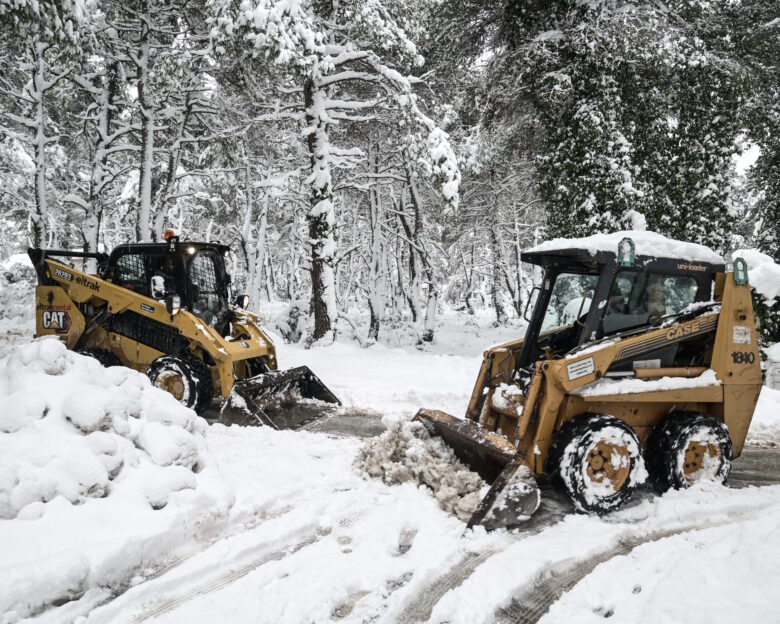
point(637, 359)
point(164, 309)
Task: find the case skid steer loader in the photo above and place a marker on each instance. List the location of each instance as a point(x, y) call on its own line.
point(164, 309)
point(629, 363)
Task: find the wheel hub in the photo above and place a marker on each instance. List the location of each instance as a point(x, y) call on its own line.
point(697, 454)
point(609, 462)
point(171, 382)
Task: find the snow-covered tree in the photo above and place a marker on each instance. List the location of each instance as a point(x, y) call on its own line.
point(345, 55)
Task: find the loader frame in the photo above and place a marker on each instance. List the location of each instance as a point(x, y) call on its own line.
point(88, 311)
point(520, 428)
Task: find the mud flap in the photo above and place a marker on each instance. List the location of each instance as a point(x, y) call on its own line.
point(513, 496)
point(288, 399)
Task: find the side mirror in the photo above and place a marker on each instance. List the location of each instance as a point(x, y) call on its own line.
point(242, 301)
point(172, 304)
point(532, 298)
point(158, 287)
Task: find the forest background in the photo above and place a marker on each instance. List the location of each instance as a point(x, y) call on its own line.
point(372, 162)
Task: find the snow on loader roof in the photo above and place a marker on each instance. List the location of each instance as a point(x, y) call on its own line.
point(647, 244)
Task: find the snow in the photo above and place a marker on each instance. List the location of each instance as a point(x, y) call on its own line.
point(98, 473)
point(763, 273)
point(646, 244)
point(721, 574)
point(268, 512)
point(606, 386)
point(765, 426)
point(578, 540)
point(408, 453)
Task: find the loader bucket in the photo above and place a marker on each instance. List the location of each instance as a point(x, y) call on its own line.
point(288, 399)
point(513, 496)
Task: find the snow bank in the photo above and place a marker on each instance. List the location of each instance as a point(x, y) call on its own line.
point(763, 273)
point(765, 426)
point(88, 457)
point(647, 244)
point(607, 386)
point(407, 452)
point(17, 302)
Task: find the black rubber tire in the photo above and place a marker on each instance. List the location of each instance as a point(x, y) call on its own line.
point(196, 376)
point(567, 462)
point(104, 356)
point(669, 441)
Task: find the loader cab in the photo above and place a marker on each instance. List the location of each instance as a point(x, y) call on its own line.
point(587, 297)
point(195, 272)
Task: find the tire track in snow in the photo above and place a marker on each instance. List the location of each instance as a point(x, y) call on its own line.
point(536, 598)
point(422, 604)
point(219, 581)
point(755, 467)
point(208, 540)
point(83, 603)
point(552, 509)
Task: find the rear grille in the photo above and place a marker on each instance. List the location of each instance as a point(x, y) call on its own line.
point(148, 332)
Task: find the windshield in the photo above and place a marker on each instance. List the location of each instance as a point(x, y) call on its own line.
point(637, 299)
point(570, 300)
point(209, 293)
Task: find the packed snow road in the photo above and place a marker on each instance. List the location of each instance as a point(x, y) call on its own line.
point(376, 557)
point(279, 526)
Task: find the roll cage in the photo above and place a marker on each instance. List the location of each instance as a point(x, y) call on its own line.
point(603, 264)
point(133, 265)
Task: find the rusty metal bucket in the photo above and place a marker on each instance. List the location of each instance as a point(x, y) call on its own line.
point(288, 399)
point(514, 495)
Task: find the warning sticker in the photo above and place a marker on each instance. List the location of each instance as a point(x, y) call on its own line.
point(741, 334)
point(580, 369)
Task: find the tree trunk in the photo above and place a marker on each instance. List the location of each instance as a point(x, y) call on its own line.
point(321, 216)
point(429, 325)
point(495, 283)
point(40, 212)
point(159, 210)
point(376, 281)
point(95, 202)
point(143, 228)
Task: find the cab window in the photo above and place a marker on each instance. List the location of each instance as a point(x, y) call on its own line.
point(569, 301)
point(209, 298)
point(638, 299)
point(131, 273)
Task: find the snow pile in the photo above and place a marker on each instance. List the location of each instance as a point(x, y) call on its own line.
point(605, 386)
point(407, 452)
point(765, 427)
point(646, 244)
point(97, 448)
point(763, 273)
point(17, 293)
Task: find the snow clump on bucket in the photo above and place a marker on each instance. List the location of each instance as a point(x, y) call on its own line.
point(407, 452)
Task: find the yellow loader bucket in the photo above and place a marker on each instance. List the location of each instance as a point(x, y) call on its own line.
point(288, 399)
point(513, 495)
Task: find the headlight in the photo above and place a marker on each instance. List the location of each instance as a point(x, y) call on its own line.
point(172, 303)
